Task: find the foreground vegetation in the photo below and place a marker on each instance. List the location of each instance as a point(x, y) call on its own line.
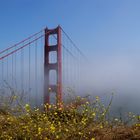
point(78, 120)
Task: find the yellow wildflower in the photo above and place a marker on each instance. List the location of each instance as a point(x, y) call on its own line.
point(27, 107)
point(66, 130)
point(93, 114)
point(39, 130)
point(55, 113)
point(52, 128)
point(97, 98)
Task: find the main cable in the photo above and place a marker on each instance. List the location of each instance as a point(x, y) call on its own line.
point(73, 43)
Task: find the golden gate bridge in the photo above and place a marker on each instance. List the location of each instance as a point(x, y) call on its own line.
point(42, 68)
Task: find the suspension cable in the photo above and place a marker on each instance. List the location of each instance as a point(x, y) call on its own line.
point(73, 43)
point(20, 48)
point(21, 42)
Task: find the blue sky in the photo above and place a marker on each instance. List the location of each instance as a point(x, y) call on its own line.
point(96, 25)
point(107, 31)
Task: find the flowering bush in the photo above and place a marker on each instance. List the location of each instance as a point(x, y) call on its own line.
point(77, 121)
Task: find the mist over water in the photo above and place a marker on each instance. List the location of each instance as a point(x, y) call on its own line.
point(118, 74)
point(101, 75)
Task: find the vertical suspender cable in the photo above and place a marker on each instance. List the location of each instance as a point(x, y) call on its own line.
point(29, 84)
point(2, 71)
point(12, 71)
point(15, 70)
point(21, 72)
point(7, 68)
point(36, 74)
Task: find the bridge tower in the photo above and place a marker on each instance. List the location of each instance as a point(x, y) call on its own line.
point(57, 66)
